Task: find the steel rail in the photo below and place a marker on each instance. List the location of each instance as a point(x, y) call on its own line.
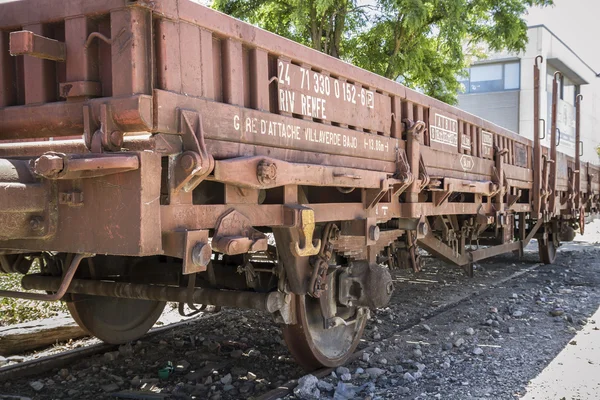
point(55, 361)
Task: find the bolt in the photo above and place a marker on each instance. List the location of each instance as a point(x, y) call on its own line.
point(201, 254)
point(374, 233)
point(187, 162)
point(266, 172)
point(36, 223)
point(422, 230)
point(49, 165)
point(116, 138)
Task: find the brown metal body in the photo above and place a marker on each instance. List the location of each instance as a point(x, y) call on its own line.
point(167, 115)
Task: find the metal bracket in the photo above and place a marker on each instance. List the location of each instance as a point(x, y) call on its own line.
point(105, 138)
point(52, 165)
point(439, 197)
point(373, 196)
point(403, 173)
point(513, 198)
point(423, 175)
point(234, 234)
point(572, 193)
point(397, 186)
point(197, 251)
point(29, 44)
point(194, 164)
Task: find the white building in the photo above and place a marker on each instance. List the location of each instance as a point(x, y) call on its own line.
point(500, 89)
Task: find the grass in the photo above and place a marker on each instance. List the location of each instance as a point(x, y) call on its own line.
point(14, 311)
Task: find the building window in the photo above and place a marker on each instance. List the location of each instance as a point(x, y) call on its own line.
point(567, 89)
point(512, 76)
point(492, 78)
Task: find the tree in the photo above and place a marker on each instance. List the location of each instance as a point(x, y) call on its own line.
point(425, 44)
point(319, 24)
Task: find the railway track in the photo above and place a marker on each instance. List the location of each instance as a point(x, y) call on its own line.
point(48, 363)
point(53, 362)
point(289, 386)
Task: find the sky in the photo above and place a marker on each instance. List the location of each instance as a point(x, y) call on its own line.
point(575, 22)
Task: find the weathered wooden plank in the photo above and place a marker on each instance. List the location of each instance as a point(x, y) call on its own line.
point(33, 335)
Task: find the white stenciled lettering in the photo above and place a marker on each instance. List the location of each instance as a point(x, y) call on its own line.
point(263, 127)
point(305, 78)
point(327, 137)
point(287, 98)
point(279, 129)
point(284, 72)
point(350, 142)
point(487, 142)
point(250, 128)
point(370, 99)
point(375, 144)
point(251, 125)
point(313, 106)
point(445, 130)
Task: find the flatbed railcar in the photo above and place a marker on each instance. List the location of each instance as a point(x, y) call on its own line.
point(152, 151)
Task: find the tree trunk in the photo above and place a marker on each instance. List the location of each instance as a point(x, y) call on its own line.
point(315, 29)
point(389, 71)
point(338, 30)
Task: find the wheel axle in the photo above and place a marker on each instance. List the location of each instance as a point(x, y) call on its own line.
point(270, 302)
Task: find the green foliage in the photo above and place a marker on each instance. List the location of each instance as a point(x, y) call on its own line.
point(425, 44)
point(319, 24)
point(14, 311)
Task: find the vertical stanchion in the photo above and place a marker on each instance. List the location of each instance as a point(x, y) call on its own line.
point(578, 148)
point(537, 147)
point(553, 144)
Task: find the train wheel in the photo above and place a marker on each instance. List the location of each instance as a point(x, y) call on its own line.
point(312, 345)
point(547, 249)
point(114, 320)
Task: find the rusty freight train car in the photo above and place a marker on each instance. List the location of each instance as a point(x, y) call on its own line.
point(161, 151)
